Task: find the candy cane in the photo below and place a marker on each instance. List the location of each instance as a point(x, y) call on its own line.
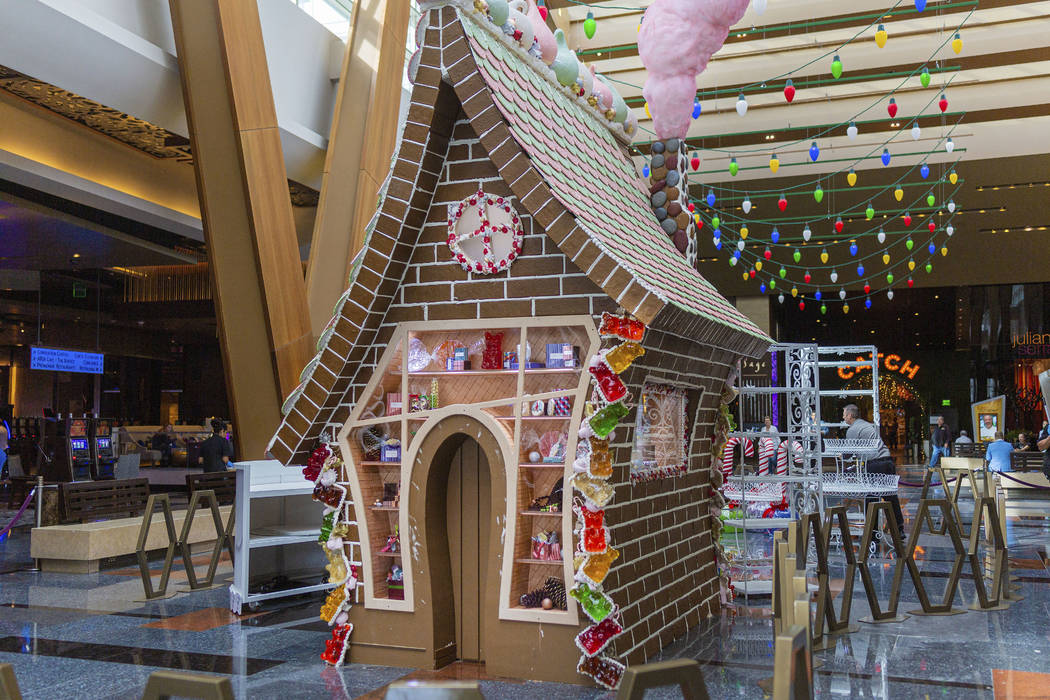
point(727, 453)
point(767, 447)
point(782, 460)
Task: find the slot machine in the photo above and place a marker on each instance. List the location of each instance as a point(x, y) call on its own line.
point(103, 451)
point(79, 449)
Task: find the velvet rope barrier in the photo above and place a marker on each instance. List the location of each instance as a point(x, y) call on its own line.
point(1034, 486)
point(25, 504)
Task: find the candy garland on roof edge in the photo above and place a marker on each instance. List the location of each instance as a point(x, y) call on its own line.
point(324, 468)
point(592, 469)
point(675, 42)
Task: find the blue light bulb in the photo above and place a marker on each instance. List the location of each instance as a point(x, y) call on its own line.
point(867, 303)
point(775, 236)
point(762, 288)
point(645, 170)
point(817, 295)
point(710, 198)
point(718, 233)
point(885, 156)
point(852, 248)
point(932, 248)
point(814, 152)
point(860, 270)
point(924, 171)
point(696, 108)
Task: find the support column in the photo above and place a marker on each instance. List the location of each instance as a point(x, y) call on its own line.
point(257, 277)
point(361, 140)
point(756, 309)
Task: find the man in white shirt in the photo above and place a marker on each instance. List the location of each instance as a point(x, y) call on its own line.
point(860, 429)
point(987, 427)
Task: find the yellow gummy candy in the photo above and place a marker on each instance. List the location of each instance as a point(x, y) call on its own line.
point(601, 459)
point(621, 357)
point(336, 568)
point(332, 604)
point(597, 566)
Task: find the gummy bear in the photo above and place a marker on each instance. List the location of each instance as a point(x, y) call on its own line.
point(620, 327)
point(596, 637)
point(326, 527)
point(594, 540)
point(605, 671)
point(329, 495)
point(335, 648)
point(596, 604)
point(592, 518)
point(596, 568)
point(492, 356)
point(609, 384)
point(332, 603)
point(596, 491)
point(621, 357)
point(601, 459)
point(336, 566)
point(315, 462)
point(605, 419)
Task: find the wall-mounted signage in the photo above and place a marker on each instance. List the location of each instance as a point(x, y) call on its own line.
point(893, 363)
point(57, 360)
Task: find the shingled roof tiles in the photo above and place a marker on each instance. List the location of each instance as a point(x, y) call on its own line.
point(593, 178)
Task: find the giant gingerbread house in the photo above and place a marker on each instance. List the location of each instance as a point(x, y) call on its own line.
point(521, 384)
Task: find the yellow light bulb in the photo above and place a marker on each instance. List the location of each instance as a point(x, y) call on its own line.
point(898, 193)
point(647, 112)
point(881, 36)
point(957, 44)
point(944, 251)
point(911, 264)
point(824, 257)
point(845, 308)
point(794, 291)
point(851, 178)
point(743, 232)
point(758, 265)
point(746, 275)
point(953, 177)
point(774, 164)
point(885, 258)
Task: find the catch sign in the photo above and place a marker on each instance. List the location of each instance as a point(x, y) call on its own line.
point(65, 360)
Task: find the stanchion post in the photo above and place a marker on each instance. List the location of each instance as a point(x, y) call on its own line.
point(39, 511)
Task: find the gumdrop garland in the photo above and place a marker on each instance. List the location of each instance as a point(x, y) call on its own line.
point(323, 468)
point(592, 468)
point(669, 196)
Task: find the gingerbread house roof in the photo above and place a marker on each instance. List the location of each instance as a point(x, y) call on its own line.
point(569, 169)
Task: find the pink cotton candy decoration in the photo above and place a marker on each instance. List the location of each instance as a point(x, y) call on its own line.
point(601, 92)
point(675, 43)
point(544, 35)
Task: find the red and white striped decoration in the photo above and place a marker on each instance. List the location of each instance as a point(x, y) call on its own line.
point(767, 447)
point(727, 453)
point(782, 460)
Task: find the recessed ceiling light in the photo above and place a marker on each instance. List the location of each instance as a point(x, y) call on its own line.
point(76, 255)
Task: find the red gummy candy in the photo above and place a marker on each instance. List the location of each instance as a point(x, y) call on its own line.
point(592, 518)
point(621, 327)
point(602, 669)
point(333, 651)
point(594, 540)
point(609, 384)
point(596, 637)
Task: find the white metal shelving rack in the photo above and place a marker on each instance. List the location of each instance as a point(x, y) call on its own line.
point(797, 384)
point(276, 516)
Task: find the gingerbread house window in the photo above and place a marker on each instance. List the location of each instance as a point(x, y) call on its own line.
point(660, 433)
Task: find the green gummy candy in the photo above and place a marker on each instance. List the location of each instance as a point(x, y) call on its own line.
point(605, 419)
point(326, 527)
point(597, 605)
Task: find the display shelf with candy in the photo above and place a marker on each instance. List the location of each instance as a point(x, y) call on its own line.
point(495, 373)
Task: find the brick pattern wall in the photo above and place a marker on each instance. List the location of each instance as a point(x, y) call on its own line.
point(666, 577)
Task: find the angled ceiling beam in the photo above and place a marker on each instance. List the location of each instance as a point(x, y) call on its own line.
point(362, 137)
point(257, 276)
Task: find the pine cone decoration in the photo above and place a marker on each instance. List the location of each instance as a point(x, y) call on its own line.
point(533, 599)
point(554, 589)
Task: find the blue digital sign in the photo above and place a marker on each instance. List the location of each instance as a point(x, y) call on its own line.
point(65, 360)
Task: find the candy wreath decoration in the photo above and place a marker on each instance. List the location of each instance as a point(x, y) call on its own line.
point(324, 468)
point(592, 469)
point(484, 233)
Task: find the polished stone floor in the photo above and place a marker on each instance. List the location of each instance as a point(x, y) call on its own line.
point(92, 636)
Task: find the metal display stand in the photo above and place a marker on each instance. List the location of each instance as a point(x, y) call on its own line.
point(795, 394)
point(274, 509)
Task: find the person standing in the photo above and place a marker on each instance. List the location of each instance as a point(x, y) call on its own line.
point(3, 446)
point(215, 452)
point(770, 444)
point(1044, 445)
point(940, 439)
point(860, 429)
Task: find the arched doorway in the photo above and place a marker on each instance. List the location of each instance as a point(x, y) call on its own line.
point(460, 471)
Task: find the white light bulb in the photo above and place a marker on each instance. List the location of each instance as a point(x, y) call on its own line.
point(740, 245)
point(746, 205)
point(949, 145)
point(889, 294)
point(951, 206)
point(780, 297)
point(882, 236)
point(741, 105)
point(949, 230)
point(806, 233)
point(834, 277)
point(916, 132)
point(842, 294)
point(851, 131)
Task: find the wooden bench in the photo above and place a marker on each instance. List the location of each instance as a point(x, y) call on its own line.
point(85, 501)
point(1026, 461)
point(224, 484)
point(1023, 498)
point(968, 449)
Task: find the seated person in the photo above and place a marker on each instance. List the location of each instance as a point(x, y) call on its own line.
point(1023, 444)
point(963, 439)
point(997, 456)
point(163, 442)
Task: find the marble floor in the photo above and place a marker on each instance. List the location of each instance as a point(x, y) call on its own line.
point(92, 636)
